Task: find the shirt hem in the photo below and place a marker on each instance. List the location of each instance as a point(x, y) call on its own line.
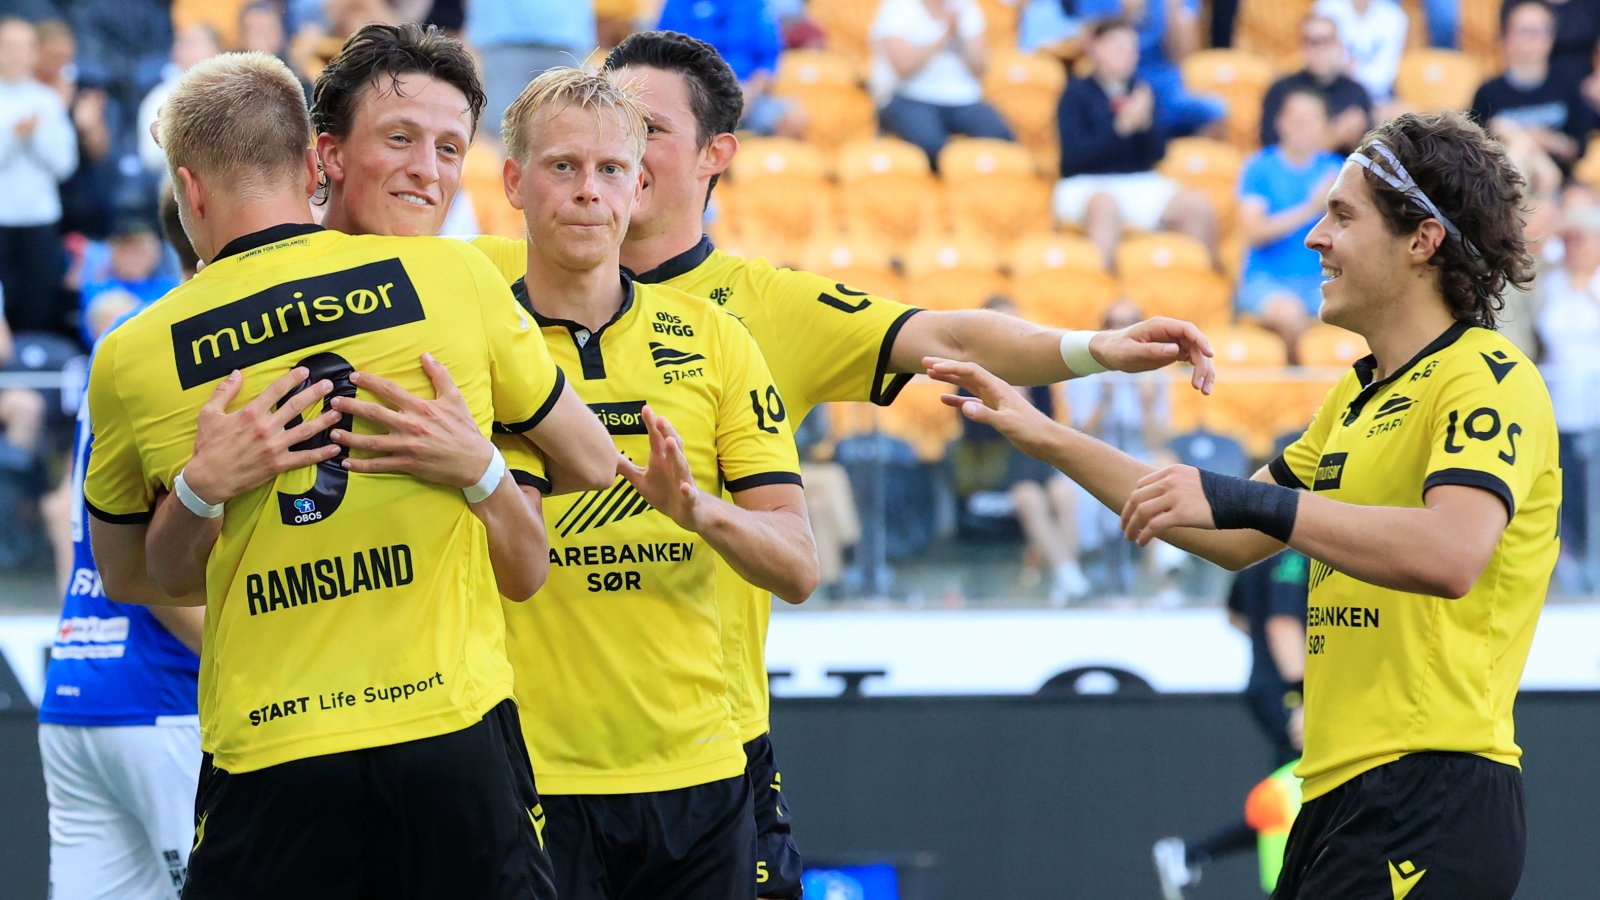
point(1314, 786)
point(556, 783)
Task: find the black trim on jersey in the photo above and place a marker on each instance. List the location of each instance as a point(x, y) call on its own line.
point(594, 364)
point(1366, 365)
point(684, 262)
point(1283, 475)
point(761, 479)
point(544, 409)
point(884, 394)
point(1473, 478)
point(138, 518)
point(265, 237)
point(528, 479)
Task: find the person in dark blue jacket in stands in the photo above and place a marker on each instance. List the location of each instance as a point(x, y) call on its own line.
point(1110, 144)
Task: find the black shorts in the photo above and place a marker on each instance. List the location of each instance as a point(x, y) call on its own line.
point(694, 843)
point(778, 864)
point(455, 815)
point(1428, 826)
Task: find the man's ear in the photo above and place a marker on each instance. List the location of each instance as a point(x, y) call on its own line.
point(511, 180)
point(313, 172)
point(1426, 241)
point(331, 154)
point(718, 154)
point(191, 193)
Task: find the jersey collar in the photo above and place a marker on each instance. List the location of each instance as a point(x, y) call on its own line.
point(687, 261)
point(265, 237)
point(1366, 365)
point(594, 364)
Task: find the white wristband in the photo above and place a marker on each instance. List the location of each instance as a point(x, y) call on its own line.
point(1075, 353)
point(192, 502)
point(491, 479)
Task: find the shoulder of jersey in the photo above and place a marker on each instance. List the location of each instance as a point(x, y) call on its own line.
point(1485, 353)
point(664, 295)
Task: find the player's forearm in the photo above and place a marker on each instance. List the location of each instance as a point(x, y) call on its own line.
point(1405, 549)
point(578, 451)
point(177, 548)
point(186, 623)
point(1286, 642)
point(1017, 350)
point(771, 549)
point(1111, 476)
point(119, 554)
point(519, 548)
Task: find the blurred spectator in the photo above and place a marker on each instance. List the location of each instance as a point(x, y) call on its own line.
point(1282, 193)
point(87, 194)
point(38, 150)
point(123, 47)
point(1374, 31)
point(1168, 30)
point(745, 32)
point(193, 44)
point(1053, 26)
point(518, 39)
point(1131, 414)
point(31, 10)
point(834, 521)
point(997, 479)
point(318, 37)
point(134, 278)
point(1577, 30)
point(22, 480)
point(261, 28)
point(927, 57)
point(1349, 107)
point(1528, 96)
point(1110, 146)
point(1569, 332)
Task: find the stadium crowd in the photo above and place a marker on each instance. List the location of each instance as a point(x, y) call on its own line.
point(1083, 163)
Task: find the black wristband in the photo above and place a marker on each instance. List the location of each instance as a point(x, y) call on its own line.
point(1242, 503)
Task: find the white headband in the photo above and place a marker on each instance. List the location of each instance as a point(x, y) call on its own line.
point(1402, 181)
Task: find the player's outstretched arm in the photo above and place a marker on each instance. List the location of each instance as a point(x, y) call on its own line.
point(233, 453)
point(1021, 352)
point(1104, 471)
point(764, 534)
point(577, 449)
point(119, 552)
point(439, 442)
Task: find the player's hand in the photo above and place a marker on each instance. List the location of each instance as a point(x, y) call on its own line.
point(1166, 498)
point(993, 403)
point(1297, 727)
point(666, 482)
point(1154, 343)
point(239, 451)
point(24, 129)
point(436, 440)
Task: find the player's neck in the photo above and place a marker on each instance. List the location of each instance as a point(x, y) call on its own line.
point(1409, 326)
point(642, 253)
point(232, 218)
point(589, 297)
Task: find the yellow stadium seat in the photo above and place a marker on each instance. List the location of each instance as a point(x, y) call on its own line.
point(1000, 21)
point(966, 157)
point(482, 175)
point(1201, 297)
point(1272, 30)
point(1480, 31)
point(1253, 384)
point(836, 113)
point(1025, 88)
point(1247, 345)
point(1241, 79)
point(846, 24)
point(887, 191)
point(860, 263)
point(1211, 167)
point(1434, 80)
point(802, 68)
point(222, 16)
point(921, 419)
point(779, 190)
point(1001, 207)
point(1330, 346)
point(880, 156)
point(1061, 281)
point(1162, 251)
point(946, 272)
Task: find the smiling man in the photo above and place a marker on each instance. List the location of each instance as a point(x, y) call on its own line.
point(1425, 492)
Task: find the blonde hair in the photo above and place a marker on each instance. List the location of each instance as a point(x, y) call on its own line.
point(239, 118)
point(564, 87)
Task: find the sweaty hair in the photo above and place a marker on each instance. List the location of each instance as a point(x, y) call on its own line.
point(1468, 176)
point(239, 118)
point(714, 94)
point(562, 88)
point(377, 51)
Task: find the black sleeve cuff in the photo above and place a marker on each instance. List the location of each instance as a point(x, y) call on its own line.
point(886, 387)
point(1473, 478)
point(138, 518)
point(544, 410)
point(528, 479)
point(1283, 475)
point(761, 480)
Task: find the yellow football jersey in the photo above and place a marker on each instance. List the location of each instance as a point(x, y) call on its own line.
point(619, 672)
point(343, 610)
point(824, 342)
point(1389, 672)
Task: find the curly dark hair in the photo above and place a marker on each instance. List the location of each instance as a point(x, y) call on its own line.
point(1468, 176)
point(376, 50)
point(714, 94)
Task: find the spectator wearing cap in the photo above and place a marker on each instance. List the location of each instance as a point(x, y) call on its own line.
point(1374, 32)
point(38, 150)
point(1349, 106)
point(1528, 96)
point(927, 58)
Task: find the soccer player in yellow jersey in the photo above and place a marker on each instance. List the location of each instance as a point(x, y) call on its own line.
point(618, 662)
point(395, 112)
point(1426, 493)
point(355, 694)
point(824, 342)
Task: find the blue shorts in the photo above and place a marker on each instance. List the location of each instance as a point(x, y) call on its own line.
point(1254, 289)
